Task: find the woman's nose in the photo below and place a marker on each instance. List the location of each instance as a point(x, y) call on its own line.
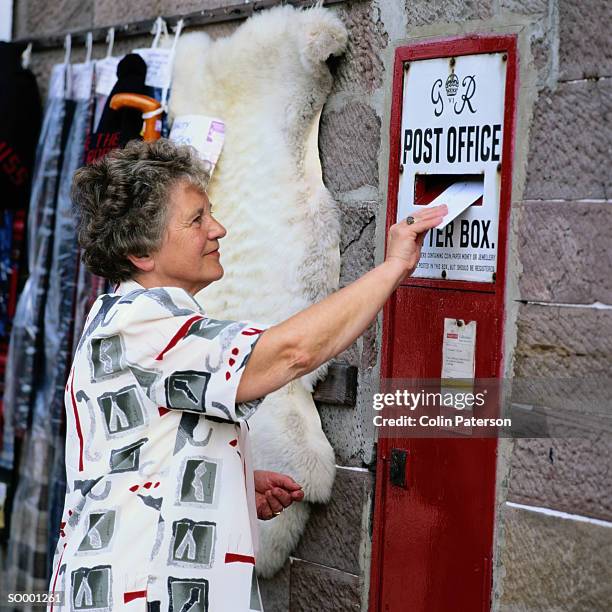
point(217, 230)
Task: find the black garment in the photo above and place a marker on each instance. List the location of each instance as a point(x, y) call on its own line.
point(20, 119)
point(117, 127)
point(20, 110)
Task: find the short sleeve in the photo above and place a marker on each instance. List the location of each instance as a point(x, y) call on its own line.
point(184, 360)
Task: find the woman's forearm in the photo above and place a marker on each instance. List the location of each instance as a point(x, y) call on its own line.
point(327, 328)
point(308, 339)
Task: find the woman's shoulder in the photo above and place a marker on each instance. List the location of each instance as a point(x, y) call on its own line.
point(114, 312)
point(174, 301)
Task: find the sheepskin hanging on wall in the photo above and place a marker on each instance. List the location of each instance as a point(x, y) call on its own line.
point(268, 81)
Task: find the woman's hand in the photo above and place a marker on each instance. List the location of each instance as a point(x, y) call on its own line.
point(404, 241)
point(274, 492)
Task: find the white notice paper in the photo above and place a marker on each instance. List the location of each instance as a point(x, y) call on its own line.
point(458, 349)
point(106, 75)
point(457, 197)
point(458, 362)
point(206, 134)
point(159, 66)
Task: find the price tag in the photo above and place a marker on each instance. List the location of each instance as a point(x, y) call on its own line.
point(159, 66)
point(106, 75)
point(206, 134)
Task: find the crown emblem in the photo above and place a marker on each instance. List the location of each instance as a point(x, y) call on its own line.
point(452, 85)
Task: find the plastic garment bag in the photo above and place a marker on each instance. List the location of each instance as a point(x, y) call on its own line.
point(26, 558)
point(26, 335)
point(6, 245)
point(63, 269)
point(21, 114)
point(59, 307)
point(41, 484)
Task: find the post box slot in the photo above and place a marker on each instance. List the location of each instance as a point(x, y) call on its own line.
point(427, 187)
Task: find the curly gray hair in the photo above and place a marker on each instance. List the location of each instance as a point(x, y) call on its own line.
point(120, 202)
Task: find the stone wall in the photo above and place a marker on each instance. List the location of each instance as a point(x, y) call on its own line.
point(559, 268)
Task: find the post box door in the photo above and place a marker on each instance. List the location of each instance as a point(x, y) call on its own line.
point(436, 531)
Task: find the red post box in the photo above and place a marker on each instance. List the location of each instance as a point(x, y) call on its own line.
point(452, 122)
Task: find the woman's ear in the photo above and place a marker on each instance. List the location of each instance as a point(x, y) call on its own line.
point(146, 263)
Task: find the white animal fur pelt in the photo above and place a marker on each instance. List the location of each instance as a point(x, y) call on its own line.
point(268, 81)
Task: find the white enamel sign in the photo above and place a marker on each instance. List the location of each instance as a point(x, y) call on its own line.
point(451, 136)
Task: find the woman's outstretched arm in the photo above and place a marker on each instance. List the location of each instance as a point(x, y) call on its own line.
point(308, 339)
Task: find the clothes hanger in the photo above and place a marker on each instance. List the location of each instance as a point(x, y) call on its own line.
point(178, 28)
point(26, 56)
point(88, 47)
point(160, 26)
point(110, 39)
point(67, 49)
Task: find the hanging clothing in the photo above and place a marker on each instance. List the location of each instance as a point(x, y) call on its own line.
point(20, 110)
point(60, 301)
point(27, 566)
point(27, 333)
point(6, 249)
point(41, 474)
point(160, 507)
point(117, 127)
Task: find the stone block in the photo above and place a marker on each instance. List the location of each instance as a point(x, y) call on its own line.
point(564, 249)
point(37, 17)
point(357, 248)
point(572, 475)
point(543, 51)
point(525, 7)
point(361, 68)
point(552, 564)
point(355, 217)
point(315, 588)
point(357, 235)
point(369, 354)
point(333, 533)
point(559, 342)
point(584, 39)
point(428, 12)
point(182, 7)
point(351, 431)
point(349, 140)
point(568, 153)
point(123, 46)
point(110, 12)
point(605, 90)
point(275, 590)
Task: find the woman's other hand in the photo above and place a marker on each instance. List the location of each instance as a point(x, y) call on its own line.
point(274, 492)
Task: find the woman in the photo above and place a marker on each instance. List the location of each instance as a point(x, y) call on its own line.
point(161, 503)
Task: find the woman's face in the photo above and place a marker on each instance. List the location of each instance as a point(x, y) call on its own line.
point(189, 256)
